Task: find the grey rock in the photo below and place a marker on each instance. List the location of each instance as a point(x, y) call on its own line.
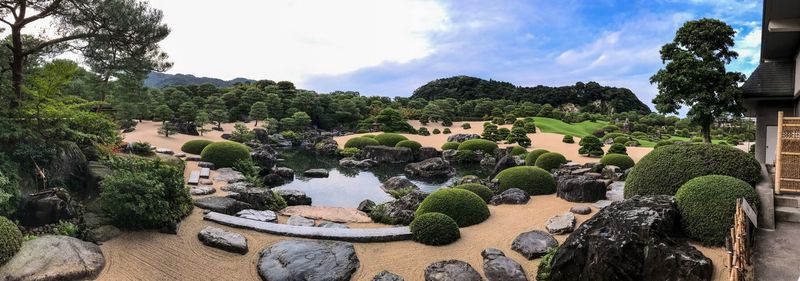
point(488, 162)
point(504, 163)
point(602, 204)
point(449, 155)
point(533, 244)
point(616, 191)
point(170, 228)
point(165, 151)
point(427, 153)
point(46, 207)
point(469, 179)
point(385, 154)
point(402, 210)
point(581, 171)
point(51, 258)
point(451, 270)
point(308, 260)
point(237, 187)
point(229, 175)
point(265, 216)
point(223, 205)
point(511, 196)
point(462, 137)
point(299, 221)
point(366, 206)
point(561, 224)
point(316, 173)
point(284, 172)
point(581, 210)
point(203, 164)
point(387, 276)
point(330, 224)
point(264, 156)
point(430, 168)
point(352, 162)
point(395, 183)
point(102, 233)
point(180, 155)
point(294, 197)
point(580, 188)
point(326, 146)
point(224, 240)
point(193, 158)
point(611, 172)
point(206, 182)
point(261, 135)
point(498, 267)
point(202, 190)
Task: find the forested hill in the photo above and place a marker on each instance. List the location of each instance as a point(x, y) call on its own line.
point(160, 80)
point(589, 97)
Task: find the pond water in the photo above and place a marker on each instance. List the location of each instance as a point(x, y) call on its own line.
point(347, 187)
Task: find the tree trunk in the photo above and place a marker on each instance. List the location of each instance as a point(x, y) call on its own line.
point(17, 66)
point(706, 131)
point(103, 92)
point(256, 124)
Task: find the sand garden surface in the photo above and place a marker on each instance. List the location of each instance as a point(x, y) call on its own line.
point(150, 255)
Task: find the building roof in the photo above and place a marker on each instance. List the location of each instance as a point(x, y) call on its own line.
point(771, 79)
point(780, 43)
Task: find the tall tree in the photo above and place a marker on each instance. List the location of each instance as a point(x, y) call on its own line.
point(258, 111)
point(695, 74)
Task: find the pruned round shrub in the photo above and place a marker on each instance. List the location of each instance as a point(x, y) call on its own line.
point(533, 180)
point(568, 139)
point(611, 136)
point(225, 153)
point(518, 150)
point(10, 240)
point(622, 161)
point(550, 161)
point(664, 170)
point(434, 229)
point(423, 131)
point(481, 190)
point(413, 145)
point(621, 140)
point(349, 152)
point(708, 203)
point(618, 149)
point(446, 131)
point(466, 126)
point(485, 146)
point(530, 160)
point(390, 139)
point(436, 131)
point(465, 207)
point(361, 142)
point(195, 146)
point(591, 146)
point(450, 145)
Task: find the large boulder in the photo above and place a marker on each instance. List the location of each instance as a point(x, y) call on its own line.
point(430, 168)
point(257, 198)
point(308, 260)
point(264, 156)
point(636, 239)
point(261, 135)
point(462, 137)
point(498, 267)
point(229, 175)
point(54, 258)
point(297, 220)
point(96, 172)
point(224, 240)
point(402, 210)
point(385, 154)
point(511, 196)
point(186, 128)
point(505, 162)
point(451, 270)
point(533, 244)
point(395, 183)
point(326, 147)
point(294, 197)
point(223, 205)
point(580, 188)
point(202, 190)
point(427, 153)
point(46, 207)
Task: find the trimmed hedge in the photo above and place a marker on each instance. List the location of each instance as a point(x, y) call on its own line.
point(486, 146)
point(664, 170)
point(450, 145)
point(707, 205)
point(617, 149)
point(413, 145)
point(622, 161)
point(481, 190)
point(434, 229)
point(465, 207)
point(550, 161)
point(568, 139)
point(533, 180)
point(530, 160)
point(361, 142)
point(390, 139)
point(10, 240)
point(664, 143)
point(225, 153)
point(621, 140)
point(195, 146)
point(518, 150)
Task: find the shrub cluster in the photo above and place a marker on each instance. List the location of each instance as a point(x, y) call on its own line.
point(530, 160)
point(617, 149)
point(591, 146)
point(481, 190)
point(664, 170)
point(9, 186)
point(450, 145)
point(361, 142)
point(195, 146)
point(708, 204)
point(622, 161)
point(350, 152)
point(10, 240)
point(546, 265)
point(465, 207)
point(413, 145)
point(390, 139)
point(423, 131)
point(550, 161)
point(568, 139)
point(621, 140)
point(533, 180)
point(485, 146)
point(225, 153)
point(664, 143)
point(434, 229)
point(139, 148)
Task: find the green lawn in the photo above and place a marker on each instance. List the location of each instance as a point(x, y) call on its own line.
point(550, 125)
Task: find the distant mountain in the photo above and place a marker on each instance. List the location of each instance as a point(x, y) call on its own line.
point(160, 80)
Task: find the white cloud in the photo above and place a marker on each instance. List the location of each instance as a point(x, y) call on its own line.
point(293, 40)
point(748, 45)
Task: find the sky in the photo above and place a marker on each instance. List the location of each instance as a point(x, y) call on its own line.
point(391, 47)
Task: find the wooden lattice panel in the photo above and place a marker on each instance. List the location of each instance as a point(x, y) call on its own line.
point(787, 158)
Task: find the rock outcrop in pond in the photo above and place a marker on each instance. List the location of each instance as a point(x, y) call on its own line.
point(636, 239)
point(395, 183)
point(385, 154)
point(430, 168)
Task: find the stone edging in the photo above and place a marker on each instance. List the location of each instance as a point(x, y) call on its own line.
point(363, 235)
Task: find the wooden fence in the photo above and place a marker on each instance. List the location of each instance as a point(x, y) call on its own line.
point(787, 155)
point(740, 242)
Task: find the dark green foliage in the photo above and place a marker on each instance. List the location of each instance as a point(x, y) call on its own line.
point(389, 139)
point(591, 145)
point(195, 146)
point(392, 121)
point(278, 204)
point(378, 215)
point(350, 152)
point(708, 204)
point(533, 180)
point(413, 145)
point(481, 190)
point(632, 143)
point(617, 149)
point(568, 139)
point(67, 228)
point(10, 240)
point(465, 207)
point(466, 156)
point(423, 131)
point(697, 139)
point(361, 142)
point(551, 160)
point(490, 132)
point(144, 193)
point(399, 193)
point(621, 140)
point(530, 127)
point(519, 136)
point(450, 145)
point(140, 148)
point(446, 131)
point(530, 160)
point(466, 126)
point(436, 131)
point(434, 229)
point(546, 265)
point(498, 120)
point(485, 146)
point(664, 170)
point(611, 128)
point(518, 150)
point(503, 133)
point(611, 136)
point(664, 142)
point(9, 186)
point(225, 153)
point(622, 161)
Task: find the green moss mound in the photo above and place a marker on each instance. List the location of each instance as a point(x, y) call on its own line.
point(518, 150)
point(530, 160)
point(413, 145)
point(622, 161)
point(450, 145)
point(361, 142)
point(664, 170)
point(550, 161)
point(533, 180)
point(225, 153)
point(389, 139)
point(486, 146)
point(195, 146)
point(465, 207)
point(434, 229)
point(621, 140)
point(708, 205)
point(481, 190)
point(10, 240)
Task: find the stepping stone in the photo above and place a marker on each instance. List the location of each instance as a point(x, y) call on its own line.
point(223, 205)
point(265, 216)
point(194, 178)
point(229, 175)
point(205, 172)
point(203, 164)
point(224, 240)
point(206, 182)
point(202, 190)
point(533, 244)
point(299, 221)
point(237, 187)
point(316, 173)
point(308, 260)
point(193, 158)
point(180, 155)
point(581, 210)
point(55, 258)
point(602, 204)
point(330, 224)
point(498, 267)
point(451, 270)
point(387, 276)
point(165, 151)
point(561, 224)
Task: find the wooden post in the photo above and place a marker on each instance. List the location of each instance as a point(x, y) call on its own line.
point(778, 150)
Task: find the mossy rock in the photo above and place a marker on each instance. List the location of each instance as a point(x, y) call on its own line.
point(533, 180)
point(708, 204)
point(195, 146)
point(465, 207)
point(225, 153)
point(434, 229)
